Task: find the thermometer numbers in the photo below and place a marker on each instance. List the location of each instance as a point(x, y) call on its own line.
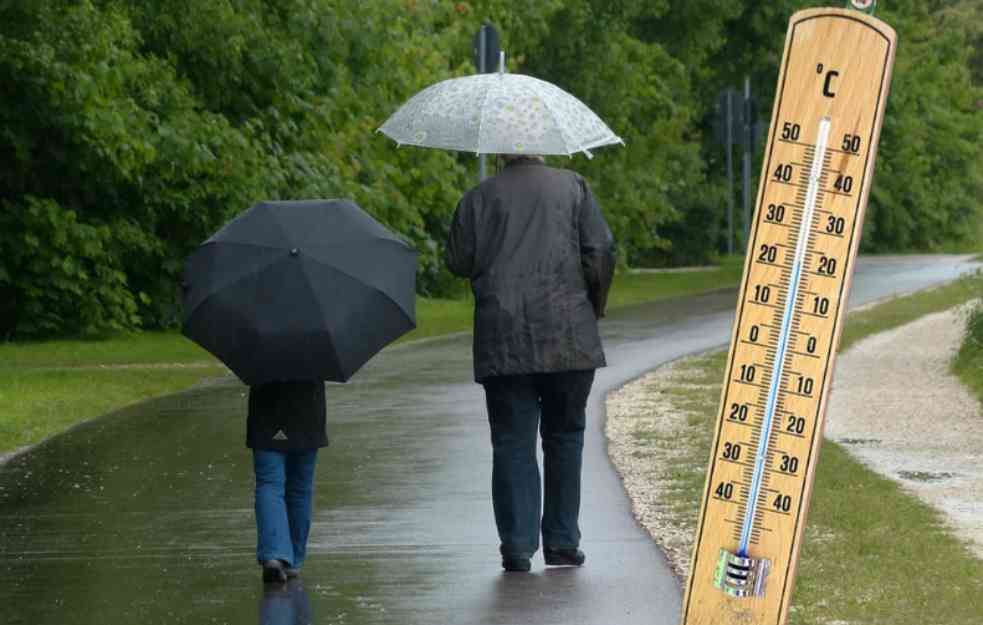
point(804, 385)
point(738, 412)
point(725, 490)
point(851, 143)
point(776, 213)
point(732, 451)
point(795, 425)
point(835, 225)
point(843, 183)
point(762, 293)
point(791, 131)
point(782, 503)
point(788, 464)
point(827, 266)
point(768, 253)
point(783, 173)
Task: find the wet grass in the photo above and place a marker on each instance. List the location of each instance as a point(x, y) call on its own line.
point(870, 547)
point(128, 349)
point(637, 288)
point(901, 310)
point(441, 316)
point(38, 402)
point(46, 387)
point(968, 363)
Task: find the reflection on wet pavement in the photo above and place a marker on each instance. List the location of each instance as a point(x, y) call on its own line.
point(145, 515)
point(285, 604)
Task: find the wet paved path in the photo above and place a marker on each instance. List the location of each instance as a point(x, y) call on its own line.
point(145, 516)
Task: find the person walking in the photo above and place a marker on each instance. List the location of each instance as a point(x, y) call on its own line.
point(285, 427)
point(540, 257)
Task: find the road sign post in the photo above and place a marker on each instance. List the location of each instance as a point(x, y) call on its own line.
point(730, 170)
point(748, 142)
point(486, 54)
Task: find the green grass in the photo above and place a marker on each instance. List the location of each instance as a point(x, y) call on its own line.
point(870, 547)
point(968, 363)
point(38, 402)
point(142, 348)
point(902, 310)
point(46, 387)
point(637, 288)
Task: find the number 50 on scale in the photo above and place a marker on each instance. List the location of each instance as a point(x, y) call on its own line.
point(817, 171)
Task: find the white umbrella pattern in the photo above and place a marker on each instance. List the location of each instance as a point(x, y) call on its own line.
point(499, 113)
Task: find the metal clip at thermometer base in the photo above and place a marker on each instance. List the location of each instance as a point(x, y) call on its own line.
point(741, 577)
point(816, 177)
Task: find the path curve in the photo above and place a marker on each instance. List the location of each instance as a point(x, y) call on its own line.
point(145, 515)
point(897, 407)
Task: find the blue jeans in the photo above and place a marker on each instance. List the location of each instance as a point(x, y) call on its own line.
point(284, 500)
point(555, 404)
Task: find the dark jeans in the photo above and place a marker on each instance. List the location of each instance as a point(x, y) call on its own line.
point(554, 403)
point(284, 501)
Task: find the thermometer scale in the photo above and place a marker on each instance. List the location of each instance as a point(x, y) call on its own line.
point(817, 172)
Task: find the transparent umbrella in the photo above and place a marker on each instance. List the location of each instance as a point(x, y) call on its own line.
point(498, 113)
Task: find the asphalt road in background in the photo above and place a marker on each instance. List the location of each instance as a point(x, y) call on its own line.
point(145, 515)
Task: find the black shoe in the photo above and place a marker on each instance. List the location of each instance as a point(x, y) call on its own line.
point(273, 572)
point(519, 564)
point(564, 557)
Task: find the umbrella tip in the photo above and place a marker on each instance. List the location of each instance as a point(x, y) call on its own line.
point(501, 62)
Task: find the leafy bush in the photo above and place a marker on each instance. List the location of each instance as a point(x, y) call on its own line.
point(132, 130)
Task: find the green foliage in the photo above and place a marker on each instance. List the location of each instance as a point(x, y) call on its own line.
point(66, 271)
point(968, 362)
point(929, 176)
point(112, 167)
point(929, 181)
point(132, 130)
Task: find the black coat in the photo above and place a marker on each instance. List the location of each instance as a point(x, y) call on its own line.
point(540, 258)
point(287, 416)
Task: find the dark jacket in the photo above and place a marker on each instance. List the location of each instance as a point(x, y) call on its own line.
point(540, 258)
point(287, 416)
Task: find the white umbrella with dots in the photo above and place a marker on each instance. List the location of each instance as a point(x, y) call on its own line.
point(499, 113)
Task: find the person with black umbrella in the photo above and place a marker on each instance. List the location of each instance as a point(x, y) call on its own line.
point(288, 295)
point(540, 258)
point(286, 425)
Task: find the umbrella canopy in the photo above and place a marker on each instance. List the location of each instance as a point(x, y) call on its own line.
point(498, 114)
point(299, 290)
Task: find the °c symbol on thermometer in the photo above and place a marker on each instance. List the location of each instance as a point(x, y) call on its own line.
point(828, 84)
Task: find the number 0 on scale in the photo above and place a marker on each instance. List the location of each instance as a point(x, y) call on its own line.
point(817, 172)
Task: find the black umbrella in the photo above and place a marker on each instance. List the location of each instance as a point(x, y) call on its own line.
point(299, 290)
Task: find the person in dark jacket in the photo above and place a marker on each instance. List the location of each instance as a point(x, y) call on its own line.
point(285, 427)
point(540, 258)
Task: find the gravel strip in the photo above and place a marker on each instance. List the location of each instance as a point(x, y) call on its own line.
point(895, 406)
point(643, 426)
point(900, 411)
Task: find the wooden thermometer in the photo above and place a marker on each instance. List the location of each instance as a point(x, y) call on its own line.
point(818, 167)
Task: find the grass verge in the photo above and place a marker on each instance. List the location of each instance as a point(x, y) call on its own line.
point(968, 363)
point(46, 387)
point(869, 545)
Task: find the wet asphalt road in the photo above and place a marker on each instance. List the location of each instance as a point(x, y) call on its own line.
point(145, 516)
